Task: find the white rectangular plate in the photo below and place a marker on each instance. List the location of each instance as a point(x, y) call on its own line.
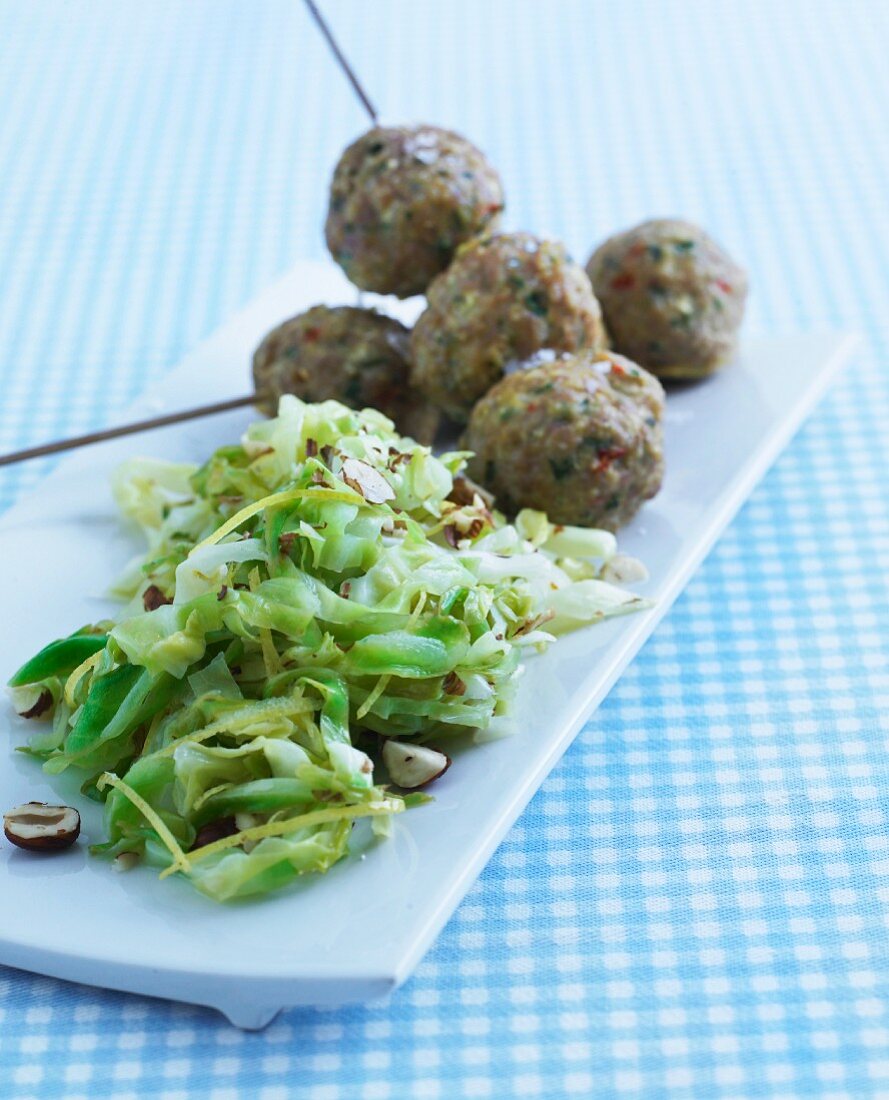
point(357, 932)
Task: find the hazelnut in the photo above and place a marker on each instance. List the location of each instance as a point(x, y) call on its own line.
point(412, 766)
point(37, 827)
point(367, 481)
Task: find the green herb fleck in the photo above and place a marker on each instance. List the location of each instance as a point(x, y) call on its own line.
point(537, 302)
point(562, 467)
point(683, 246)
point(352, 391)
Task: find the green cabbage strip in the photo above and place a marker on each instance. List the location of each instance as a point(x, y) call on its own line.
point(318, 585)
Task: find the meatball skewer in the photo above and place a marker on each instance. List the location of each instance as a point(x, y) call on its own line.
point(580, 439)
point(673, 299)
point(504, 300)
point(402, 201)
point(356, 356)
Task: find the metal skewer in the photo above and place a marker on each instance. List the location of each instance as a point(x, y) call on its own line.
point(127, 429)
point(341, 59)
point(220, 406)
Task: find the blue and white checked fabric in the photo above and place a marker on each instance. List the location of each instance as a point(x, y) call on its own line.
point(696, 903)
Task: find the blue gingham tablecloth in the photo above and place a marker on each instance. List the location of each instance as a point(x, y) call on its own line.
point(696, 902)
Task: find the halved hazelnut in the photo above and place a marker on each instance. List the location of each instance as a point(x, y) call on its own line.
point(37, 827)
point(412, 766)
point(367, 481)
point(453, 685)
point(32, 702)
point(465, 490)
point(153, 598)
point(215, 830)
point(622, 569)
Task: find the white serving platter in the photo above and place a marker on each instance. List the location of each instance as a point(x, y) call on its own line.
point(359, 931)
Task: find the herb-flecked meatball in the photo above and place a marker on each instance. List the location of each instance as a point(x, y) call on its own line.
point(503, 300)
point(580, 439)
point(356, 356)
point(673, 299)
point(402, 200)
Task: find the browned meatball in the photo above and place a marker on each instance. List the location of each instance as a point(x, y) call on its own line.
point(356, 356)
point(673, 299)
point(503, 300)
point(402, 200)
point(580, 439)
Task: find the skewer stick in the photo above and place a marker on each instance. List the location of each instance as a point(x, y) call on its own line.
point(221, 406)
point(128, 429)
point(341, 59)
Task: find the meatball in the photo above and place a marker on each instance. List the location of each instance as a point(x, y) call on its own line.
point(580, 439)
point(673, 299)
point(402, 200)
point(504, 299)
point(356, 356)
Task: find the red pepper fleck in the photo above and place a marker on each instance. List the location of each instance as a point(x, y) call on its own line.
point(725, 287)
point(608, 456)
point(312, 334)
point(617, 369)
point(623, 282)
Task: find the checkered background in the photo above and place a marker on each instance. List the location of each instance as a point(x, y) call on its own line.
point(696, 902)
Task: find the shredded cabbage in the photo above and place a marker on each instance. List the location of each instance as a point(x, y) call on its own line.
point(320, 585)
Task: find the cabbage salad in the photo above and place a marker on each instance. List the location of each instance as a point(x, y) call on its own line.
point(306, 594)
